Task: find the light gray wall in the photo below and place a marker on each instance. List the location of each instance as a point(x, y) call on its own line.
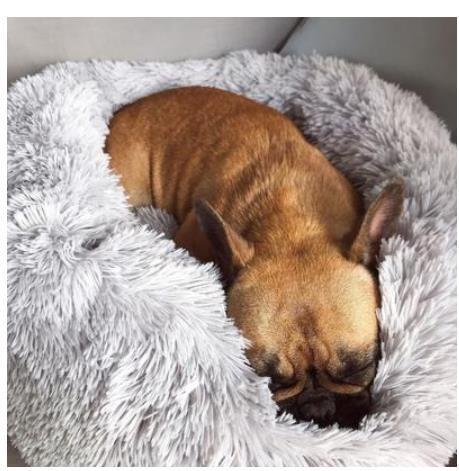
point(418, 53)
point(36, 42)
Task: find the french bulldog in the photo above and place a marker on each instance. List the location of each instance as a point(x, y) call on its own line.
point(289, 232)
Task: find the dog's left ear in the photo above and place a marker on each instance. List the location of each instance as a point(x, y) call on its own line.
point(378, 223)
point(231, 250)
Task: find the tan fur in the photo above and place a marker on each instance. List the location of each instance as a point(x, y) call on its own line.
point(277, 216)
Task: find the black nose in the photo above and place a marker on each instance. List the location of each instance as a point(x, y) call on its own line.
point(355, 373)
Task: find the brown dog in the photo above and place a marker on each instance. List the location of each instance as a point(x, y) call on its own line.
point(286, 228)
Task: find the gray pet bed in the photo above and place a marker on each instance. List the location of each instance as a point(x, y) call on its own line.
point(119, 351)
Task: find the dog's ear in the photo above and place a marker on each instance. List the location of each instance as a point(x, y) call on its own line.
point(231, 250)
point(378, 223)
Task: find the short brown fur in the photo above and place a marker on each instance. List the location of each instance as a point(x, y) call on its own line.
point(250, 193)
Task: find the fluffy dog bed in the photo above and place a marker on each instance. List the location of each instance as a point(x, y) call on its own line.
point(119, 351)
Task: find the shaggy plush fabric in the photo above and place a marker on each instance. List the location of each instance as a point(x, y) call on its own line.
point(118, 346)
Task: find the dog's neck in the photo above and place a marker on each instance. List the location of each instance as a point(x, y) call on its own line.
point(288, 230)
point(288, 216)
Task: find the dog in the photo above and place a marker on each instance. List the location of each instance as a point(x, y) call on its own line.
point(296, 250)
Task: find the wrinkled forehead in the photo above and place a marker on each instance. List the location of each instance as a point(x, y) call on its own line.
point(345, 308)
point(353, 284)
point(340, 305)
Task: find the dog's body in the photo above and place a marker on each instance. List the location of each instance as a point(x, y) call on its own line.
point(248, 161)
point(286, 228)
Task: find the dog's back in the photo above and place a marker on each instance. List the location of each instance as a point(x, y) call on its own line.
point(249, 161)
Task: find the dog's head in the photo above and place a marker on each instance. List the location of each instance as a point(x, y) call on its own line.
point(308, 316)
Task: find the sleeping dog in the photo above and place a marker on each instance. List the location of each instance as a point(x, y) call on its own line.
point(287, 230)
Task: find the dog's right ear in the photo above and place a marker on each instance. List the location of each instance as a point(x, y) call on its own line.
point(378, 223)
point(231, 250)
